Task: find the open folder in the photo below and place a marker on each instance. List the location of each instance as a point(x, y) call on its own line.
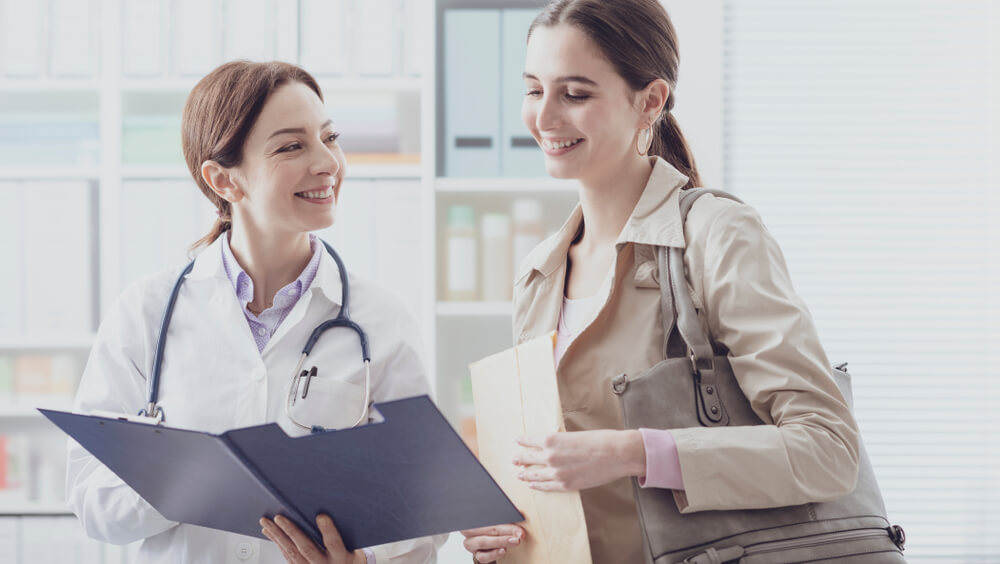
point(406, 477)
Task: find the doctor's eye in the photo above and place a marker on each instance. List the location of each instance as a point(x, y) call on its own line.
point(290, 147)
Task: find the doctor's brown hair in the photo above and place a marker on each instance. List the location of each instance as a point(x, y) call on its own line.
point(636, 36)
point(218, 115)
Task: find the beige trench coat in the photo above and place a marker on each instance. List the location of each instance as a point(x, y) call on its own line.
point(741, 287)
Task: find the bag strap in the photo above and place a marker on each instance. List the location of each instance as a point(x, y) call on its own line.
point(676, 304)
point(676, 297)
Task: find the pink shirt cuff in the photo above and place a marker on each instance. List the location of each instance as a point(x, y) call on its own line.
point(663, 466)
point(369, 555)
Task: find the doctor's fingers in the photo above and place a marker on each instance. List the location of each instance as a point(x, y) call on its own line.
point(331, 537)
point(284, 543)
point(304, 546)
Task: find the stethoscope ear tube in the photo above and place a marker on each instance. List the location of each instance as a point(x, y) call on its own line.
point(153, 385)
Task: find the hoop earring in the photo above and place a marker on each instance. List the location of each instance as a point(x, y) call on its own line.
point(642, 145)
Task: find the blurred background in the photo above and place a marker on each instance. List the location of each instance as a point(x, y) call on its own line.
point(866, 133)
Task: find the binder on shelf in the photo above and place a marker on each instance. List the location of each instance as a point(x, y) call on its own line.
point(195, 43)
point(12, 254)
point(249, 30)
point(21, 44)
point(323, 36)
point(73, 38)
point(59, 289)
point(151, 242)
point(377, 37)
point(520, 154)
point(408, 476)
point(142, 37)
point(416, 37)
point(396, 258)
point(471, 89)
point(353, 232)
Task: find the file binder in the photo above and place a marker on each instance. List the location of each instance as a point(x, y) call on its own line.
point(408, 476)
point(520, 154)
point(471, 92)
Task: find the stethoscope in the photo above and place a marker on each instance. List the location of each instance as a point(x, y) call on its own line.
point(343, 319)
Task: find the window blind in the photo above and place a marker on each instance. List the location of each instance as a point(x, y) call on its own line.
point(867, 134)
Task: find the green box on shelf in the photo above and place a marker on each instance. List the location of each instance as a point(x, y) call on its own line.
point(151, 141)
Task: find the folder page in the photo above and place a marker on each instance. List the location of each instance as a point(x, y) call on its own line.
point(516, 394)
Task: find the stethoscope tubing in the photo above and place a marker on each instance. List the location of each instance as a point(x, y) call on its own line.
point(343, 319)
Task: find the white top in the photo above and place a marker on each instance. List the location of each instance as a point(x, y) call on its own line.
point(214, 379)
point(573, 319)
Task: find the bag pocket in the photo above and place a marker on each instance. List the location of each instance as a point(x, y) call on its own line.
point(872, 545)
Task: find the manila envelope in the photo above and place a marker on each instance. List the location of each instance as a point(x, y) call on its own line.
point(515, 393)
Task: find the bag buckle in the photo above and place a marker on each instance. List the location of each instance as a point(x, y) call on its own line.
point(619, 383)
point(898, 536)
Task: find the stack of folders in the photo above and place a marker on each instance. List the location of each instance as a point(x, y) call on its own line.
point(47, 539)
point(47, 234)
point(70, 47)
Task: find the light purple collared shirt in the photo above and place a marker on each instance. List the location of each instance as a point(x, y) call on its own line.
point(264, 325)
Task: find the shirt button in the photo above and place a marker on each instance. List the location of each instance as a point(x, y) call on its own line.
point(293, 292)
point(244, 551)
point(261, 331)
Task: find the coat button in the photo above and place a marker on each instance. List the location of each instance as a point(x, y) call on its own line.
point(244, 551)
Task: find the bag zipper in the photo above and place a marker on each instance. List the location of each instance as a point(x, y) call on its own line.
point(816, 540)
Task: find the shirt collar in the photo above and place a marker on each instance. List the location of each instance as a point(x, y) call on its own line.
point(655, 220)
point(220, 262)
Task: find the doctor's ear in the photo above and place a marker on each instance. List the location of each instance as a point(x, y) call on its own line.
point(220, 180)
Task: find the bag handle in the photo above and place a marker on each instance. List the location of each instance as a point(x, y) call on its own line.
point(678, 310)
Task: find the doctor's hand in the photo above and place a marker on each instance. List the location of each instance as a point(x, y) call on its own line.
point(579, 460)
point(488, 544)
point(300, 549)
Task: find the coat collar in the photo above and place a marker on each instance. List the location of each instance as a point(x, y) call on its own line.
point(655, 221)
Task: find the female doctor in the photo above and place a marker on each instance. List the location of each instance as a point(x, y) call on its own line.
point(261, 148)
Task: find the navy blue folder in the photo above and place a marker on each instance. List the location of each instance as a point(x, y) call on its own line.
point(408, 476)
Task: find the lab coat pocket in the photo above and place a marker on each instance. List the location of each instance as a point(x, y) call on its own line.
point(329, 403)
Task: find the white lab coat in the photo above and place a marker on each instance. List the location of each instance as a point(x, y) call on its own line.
point(214, 379)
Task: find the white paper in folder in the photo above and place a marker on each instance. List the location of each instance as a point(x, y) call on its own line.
point(516, 394)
